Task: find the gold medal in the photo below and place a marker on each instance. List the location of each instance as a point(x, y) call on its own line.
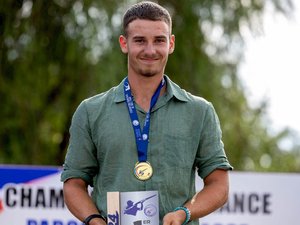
point(143, 170)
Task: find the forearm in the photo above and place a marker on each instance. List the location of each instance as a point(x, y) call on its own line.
point(211, 197)
point(79, 201)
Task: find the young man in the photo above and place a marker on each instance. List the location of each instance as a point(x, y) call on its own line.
point(111, 137)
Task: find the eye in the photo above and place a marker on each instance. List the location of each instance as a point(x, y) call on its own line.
point(139, 40)
point(160, 40)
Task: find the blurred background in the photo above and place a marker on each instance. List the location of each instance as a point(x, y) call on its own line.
point(56, 53)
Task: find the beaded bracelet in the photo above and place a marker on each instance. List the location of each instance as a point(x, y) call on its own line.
point(187, 213)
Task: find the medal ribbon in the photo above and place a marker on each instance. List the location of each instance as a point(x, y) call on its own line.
point(141, 137)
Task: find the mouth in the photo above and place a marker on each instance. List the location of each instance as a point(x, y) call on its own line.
point(149, 60)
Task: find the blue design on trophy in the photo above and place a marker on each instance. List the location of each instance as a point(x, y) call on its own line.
point(150, 210)
point(132, 208)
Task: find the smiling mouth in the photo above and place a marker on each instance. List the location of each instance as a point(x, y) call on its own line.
point(149, 60)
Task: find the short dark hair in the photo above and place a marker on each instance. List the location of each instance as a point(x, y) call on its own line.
point(146, 10)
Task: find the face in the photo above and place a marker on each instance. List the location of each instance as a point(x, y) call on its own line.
point(147, 45)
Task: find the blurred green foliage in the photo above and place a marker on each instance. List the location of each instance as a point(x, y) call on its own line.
point(56, 53)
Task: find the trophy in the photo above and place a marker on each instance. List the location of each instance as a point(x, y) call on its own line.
point(132, 208)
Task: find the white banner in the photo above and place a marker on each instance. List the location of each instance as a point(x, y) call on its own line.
point(33, 196)
point(259, 199)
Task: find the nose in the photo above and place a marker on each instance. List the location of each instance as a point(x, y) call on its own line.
point(149, 49)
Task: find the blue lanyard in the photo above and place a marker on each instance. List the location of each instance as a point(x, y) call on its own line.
point(141, 137)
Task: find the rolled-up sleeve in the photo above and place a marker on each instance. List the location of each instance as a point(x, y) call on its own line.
point(81, 160)
point(211, 154)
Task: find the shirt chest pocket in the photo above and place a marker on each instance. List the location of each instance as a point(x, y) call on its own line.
point(179, 151)
point(178, 141)
point(175, 136)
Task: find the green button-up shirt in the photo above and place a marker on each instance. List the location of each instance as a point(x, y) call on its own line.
point(184, 137)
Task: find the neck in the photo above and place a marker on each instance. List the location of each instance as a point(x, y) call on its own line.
point(143, 88)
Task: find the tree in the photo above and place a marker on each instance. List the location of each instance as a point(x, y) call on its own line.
point(56, 53)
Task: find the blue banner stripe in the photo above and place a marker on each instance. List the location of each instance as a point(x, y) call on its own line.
point(20, 174)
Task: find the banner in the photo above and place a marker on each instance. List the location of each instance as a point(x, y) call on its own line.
point(259, 199)
point(32, 195)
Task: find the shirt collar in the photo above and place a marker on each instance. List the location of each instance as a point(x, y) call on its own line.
point(173, 90)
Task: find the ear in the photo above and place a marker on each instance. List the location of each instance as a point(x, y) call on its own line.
point(123, 44)
point(172, 44)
